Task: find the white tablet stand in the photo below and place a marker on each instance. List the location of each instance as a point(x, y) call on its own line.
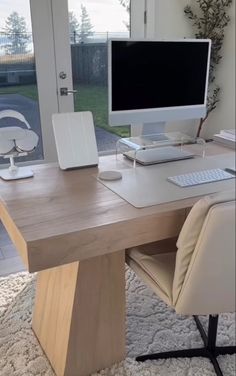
point(75, 139)
point(16, 142)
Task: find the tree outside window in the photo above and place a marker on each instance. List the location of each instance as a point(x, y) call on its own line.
point(86, 28)
point(18, 37)
point(73, 27)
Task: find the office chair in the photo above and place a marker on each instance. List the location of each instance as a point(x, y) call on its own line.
point(198, 278)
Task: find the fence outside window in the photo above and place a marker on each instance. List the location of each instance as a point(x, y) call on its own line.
point(89, 58)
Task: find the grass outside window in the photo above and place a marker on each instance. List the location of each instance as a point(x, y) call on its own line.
point(88, 98)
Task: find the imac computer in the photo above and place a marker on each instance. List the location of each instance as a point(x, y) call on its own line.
point(157, 81)
point(151, 82)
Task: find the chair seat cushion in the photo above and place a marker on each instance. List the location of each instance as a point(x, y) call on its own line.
point(156, 270)
point(190, 233)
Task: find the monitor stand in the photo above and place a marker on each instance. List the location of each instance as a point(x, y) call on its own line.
point(153, 128)
point(156, 132)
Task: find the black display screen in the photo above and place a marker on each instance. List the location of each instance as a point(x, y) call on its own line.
point(151, 74)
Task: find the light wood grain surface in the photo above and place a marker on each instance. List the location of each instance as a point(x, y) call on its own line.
point(60, 217)
point(79, 315)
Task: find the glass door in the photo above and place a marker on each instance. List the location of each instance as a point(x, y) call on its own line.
point(18, 83)
point(81, 56)
point(81, 53)
point(91, 24)
point(28, 81)
point(49, 46)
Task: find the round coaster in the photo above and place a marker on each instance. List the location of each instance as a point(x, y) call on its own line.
point(110, 175)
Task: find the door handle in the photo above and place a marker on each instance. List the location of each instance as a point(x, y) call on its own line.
point(65, 91)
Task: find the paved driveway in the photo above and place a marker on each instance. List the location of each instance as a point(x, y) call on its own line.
point(30, 109)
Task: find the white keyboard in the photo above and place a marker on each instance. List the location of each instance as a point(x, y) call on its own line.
point(200, 177)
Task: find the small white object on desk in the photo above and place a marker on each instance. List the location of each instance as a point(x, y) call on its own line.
point(110, 175)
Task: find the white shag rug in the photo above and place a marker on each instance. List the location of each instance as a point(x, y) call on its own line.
point(151, 327)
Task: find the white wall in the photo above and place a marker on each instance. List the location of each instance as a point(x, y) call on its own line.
point(171, 23)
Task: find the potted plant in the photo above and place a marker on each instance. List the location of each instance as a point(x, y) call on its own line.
point(209, 20)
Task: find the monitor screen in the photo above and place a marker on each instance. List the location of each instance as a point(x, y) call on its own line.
point(154, 75)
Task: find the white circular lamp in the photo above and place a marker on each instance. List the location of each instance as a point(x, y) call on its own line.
point(16, 142)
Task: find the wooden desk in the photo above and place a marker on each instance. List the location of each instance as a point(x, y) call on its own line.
point(73, 231)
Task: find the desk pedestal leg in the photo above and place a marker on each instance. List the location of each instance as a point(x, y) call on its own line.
point(79, 314)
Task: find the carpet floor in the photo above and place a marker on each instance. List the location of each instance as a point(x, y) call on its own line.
point(151, 327)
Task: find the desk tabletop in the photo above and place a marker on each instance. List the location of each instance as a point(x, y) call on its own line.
point(59, 217)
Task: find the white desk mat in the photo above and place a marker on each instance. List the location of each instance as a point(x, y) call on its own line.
point(147, 186)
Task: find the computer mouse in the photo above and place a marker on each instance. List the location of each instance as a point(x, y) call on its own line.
point(110, 175)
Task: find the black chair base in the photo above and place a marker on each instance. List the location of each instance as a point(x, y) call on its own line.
point(210, 350)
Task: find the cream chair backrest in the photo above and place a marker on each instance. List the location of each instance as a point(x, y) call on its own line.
point(205, 262)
